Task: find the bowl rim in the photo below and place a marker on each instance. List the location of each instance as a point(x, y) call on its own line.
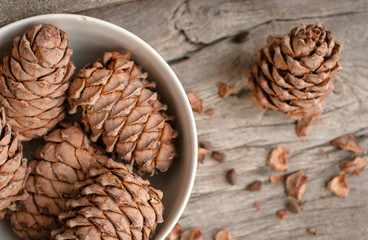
point(181, 93)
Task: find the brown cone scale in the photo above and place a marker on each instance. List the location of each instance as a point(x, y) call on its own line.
point(62, 161)
point(34, 78)
point(293, 73)
point(114, 203)
point(118, 105)
point(13, 167)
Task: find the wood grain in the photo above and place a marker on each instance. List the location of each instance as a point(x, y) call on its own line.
point(150, 21)
point(12, 10)
point(195, 37)
point(215, 204)
point(207, 21)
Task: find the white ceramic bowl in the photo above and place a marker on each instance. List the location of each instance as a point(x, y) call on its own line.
point(90, 38)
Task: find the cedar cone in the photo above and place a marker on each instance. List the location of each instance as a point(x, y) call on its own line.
point(293, 73)
point(34, 78)
point(62, 161)
point(117, 103)
point(114, 203)
point(13, 167)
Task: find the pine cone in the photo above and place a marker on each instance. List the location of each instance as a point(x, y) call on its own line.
point(114, 204)
point(293, 73)
point(13, 167)
point(62, 161)
point(34, 78)
point(117, 103)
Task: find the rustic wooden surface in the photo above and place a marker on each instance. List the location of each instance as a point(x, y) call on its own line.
point(195, 38)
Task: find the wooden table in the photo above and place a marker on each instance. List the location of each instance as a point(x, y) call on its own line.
point(195, 38)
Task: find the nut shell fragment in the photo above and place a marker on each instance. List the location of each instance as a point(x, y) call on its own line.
point(305, 122)
point(241, 37)
point(207, 145)
point(275, 179)
point(210, 112)
point(192, 234)
point(231, 176)
point(312, 231)
point(257, 206)
point(278, 159)
point(354, 167)
point(282, 214)
point(294, 206)
point(219, 156)
point(195, 102)
point(255, 186)
point(175, 233)
point(204, 148)
point(224, 90)
point(223, 234)
point(347, 142)
point(296, 184)
point(339, 186)
point(202, 152)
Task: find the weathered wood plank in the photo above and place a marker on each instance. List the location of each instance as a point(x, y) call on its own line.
point(206, 21)
point(177, 30)
point(215, 204)
point(12, 10)
point(153, 21)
